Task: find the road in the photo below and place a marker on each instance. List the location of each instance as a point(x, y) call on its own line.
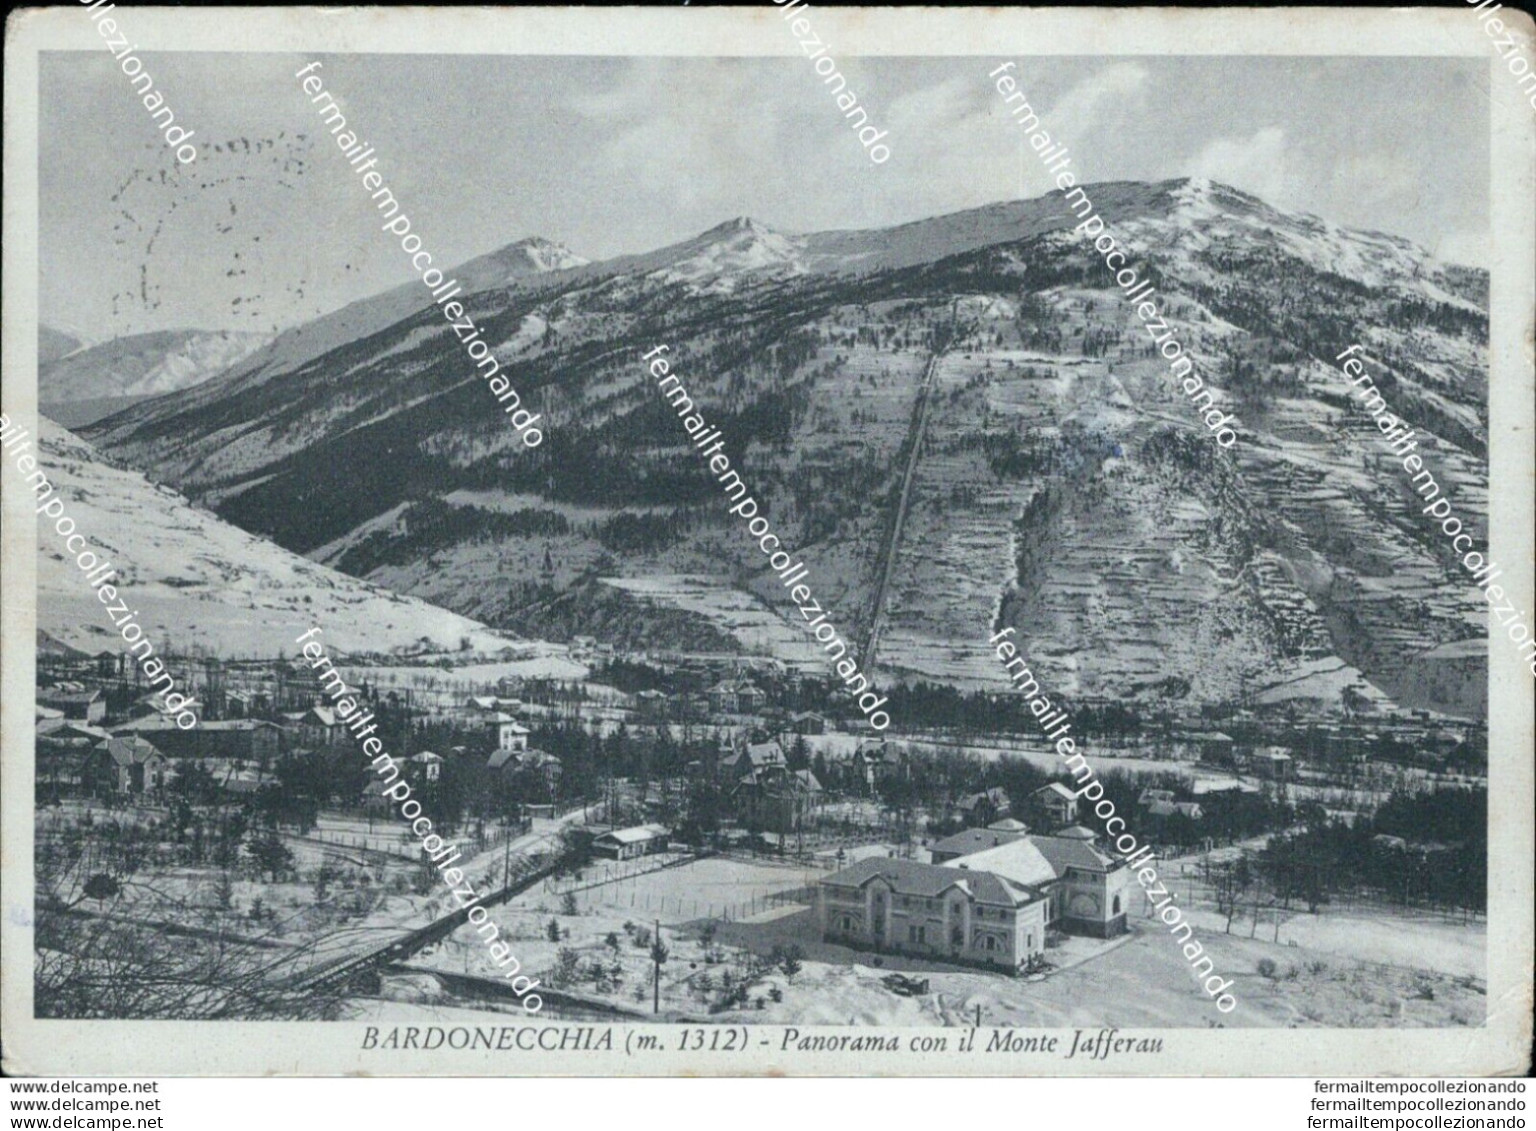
point(915, 440)
point(347, 954)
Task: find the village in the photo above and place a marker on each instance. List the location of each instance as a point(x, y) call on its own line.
point(704, 836)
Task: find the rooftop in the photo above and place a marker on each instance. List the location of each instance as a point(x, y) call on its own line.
point(1071, 852)
point(636, 834)
point(908, 877)
point(1019, 861)
point(975, 840)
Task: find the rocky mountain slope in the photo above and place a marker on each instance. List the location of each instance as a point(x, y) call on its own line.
point(1061, 481)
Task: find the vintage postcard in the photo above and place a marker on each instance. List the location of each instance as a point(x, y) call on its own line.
point(768, 541)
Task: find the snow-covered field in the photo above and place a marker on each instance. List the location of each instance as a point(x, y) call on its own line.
point(196, 580)
point(1328, 973)
point(760, 630)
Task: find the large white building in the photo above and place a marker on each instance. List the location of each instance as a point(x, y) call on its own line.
point(991, 907)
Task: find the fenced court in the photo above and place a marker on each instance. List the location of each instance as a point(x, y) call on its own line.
point(711, 888)
point(386, 835)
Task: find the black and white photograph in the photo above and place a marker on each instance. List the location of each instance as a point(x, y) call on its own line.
point(772, 540)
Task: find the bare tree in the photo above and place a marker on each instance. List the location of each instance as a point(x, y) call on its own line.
point(111, 946)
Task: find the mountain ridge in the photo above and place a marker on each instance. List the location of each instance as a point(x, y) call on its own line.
point(1283, 569)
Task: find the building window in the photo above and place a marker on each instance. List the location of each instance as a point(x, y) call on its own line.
point(991, 942)
point(957, 935)
point(845, 923)
point(917, 935)
point(1117, 905)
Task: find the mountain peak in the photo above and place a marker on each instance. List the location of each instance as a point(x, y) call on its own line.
point(748, 223)
point(738, 226)
point(535, 254)
point(740, 247)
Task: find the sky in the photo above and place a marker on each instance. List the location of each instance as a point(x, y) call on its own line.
point(613, 155)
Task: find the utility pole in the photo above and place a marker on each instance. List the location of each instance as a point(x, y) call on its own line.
point(658, 956)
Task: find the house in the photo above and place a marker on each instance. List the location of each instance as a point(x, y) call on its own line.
point(1057, 803)
point(872, 763)
point(985, 807)
point(1215, 748)
point(319, 726)
point(63, 750)
point(631, 843)
point(239, 704)
point(78, 705)
point(123, 765)
point(754, 756)
point(735, 697)
point(651, 705)
point(1086, 889)
point(933, 911)
point(968, 841)
point(427, 765)
point(518, 762)
point(242, 739)
point(808, 723)
point(722, 697)
point(776, 799)
point(547, 767)
point(505, 732)
point(1169, 808)
point(1275, 763)
point(1149, 797)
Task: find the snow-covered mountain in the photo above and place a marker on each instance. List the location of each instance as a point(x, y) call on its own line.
point(534, 255)
point(525, 259)
point(199, 581)
point(85, 384)
point(1060, 482)
point(53, 344)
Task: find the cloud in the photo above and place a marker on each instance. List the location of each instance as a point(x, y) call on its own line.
point(1256, 164)
point(941, 106)
point(1368, 184)
point(1471, 249)
point(960, 125)
point(689, 155)
point(1083, 108)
